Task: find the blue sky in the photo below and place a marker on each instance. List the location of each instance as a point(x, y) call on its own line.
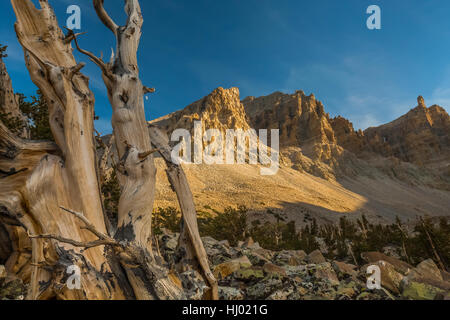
point(323, 47)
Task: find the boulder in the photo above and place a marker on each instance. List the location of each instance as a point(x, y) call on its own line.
point(413, 290)
point(13, 289)
point(193, 283)
point(218, 251)
point(300, 254)
point(250, 243)
point(348, 290)
point(249, 274)
point(428, 269)
point(392, 251)
point(425, 281)
point(445, 275)
point(169, 243)
point(344, 270)
point(283, 294)
point(290, 258)
point(255, 258)
point(274, 270)
point(390, 278)
point(399, 266)
point(227, 268)
point(265, 253)
point(263, 289)
point(230, 294)
point(224, 243)
point(316, 257)
point(324, 271)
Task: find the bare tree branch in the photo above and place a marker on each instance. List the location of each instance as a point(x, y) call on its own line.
point(149, 90)
point(78, 244)
point(104, 17)
point(89, 226)
point(98, 61)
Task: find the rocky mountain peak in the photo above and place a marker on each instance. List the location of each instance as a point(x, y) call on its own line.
point(421, 102)
point(301, 119)
point(221, 109)
point(421, 136)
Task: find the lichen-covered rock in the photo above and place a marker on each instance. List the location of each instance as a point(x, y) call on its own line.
point(255, 258)
point(13, 289)
point(344, 270)
point(428, 269)
point(296, 271)
point(249, 274)
point(347, 290)
point(324, 271)
point(230, 294)
point(390, 278)
point(399, 266)
point(316, 257)
point(283, 294)
point(420, 291)
point(274, 270)
point(253, 273)
point(219, 252)
point(263, 289)
point(194, 285)
point(291, 258)
point(227, 268)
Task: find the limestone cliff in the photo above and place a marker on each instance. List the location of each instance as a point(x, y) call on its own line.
point(301, 120)
point(327, 168)
point(421, 137)
point(222, 109)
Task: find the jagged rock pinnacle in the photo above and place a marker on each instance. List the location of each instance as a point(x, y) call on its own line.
point(421, 102)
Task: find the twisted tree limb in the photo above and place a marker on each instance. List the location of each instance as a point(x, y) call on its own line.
point(190, 240)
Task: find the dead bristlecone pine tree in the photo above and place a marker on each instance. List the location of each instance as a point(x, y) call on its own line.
point(50, 200)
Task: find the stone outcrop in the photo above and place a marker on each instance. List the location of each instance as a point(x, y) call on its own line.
point(313, 277)
point(327, 147)
point(346, 136)
point(222, 109)
point(313, 143)
point(301, 120)
point(421, 137)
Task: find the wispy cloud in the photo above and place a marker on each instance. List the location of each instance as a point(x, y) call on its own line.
point(356, 87)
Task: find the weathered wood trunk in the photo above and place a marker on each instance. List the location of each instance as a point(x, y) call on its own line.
point(51, 196)
point(66, 177)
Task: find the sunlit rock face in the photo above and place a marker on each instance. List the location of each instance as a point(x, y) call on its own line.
point(422, 137)
point(222, 109)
